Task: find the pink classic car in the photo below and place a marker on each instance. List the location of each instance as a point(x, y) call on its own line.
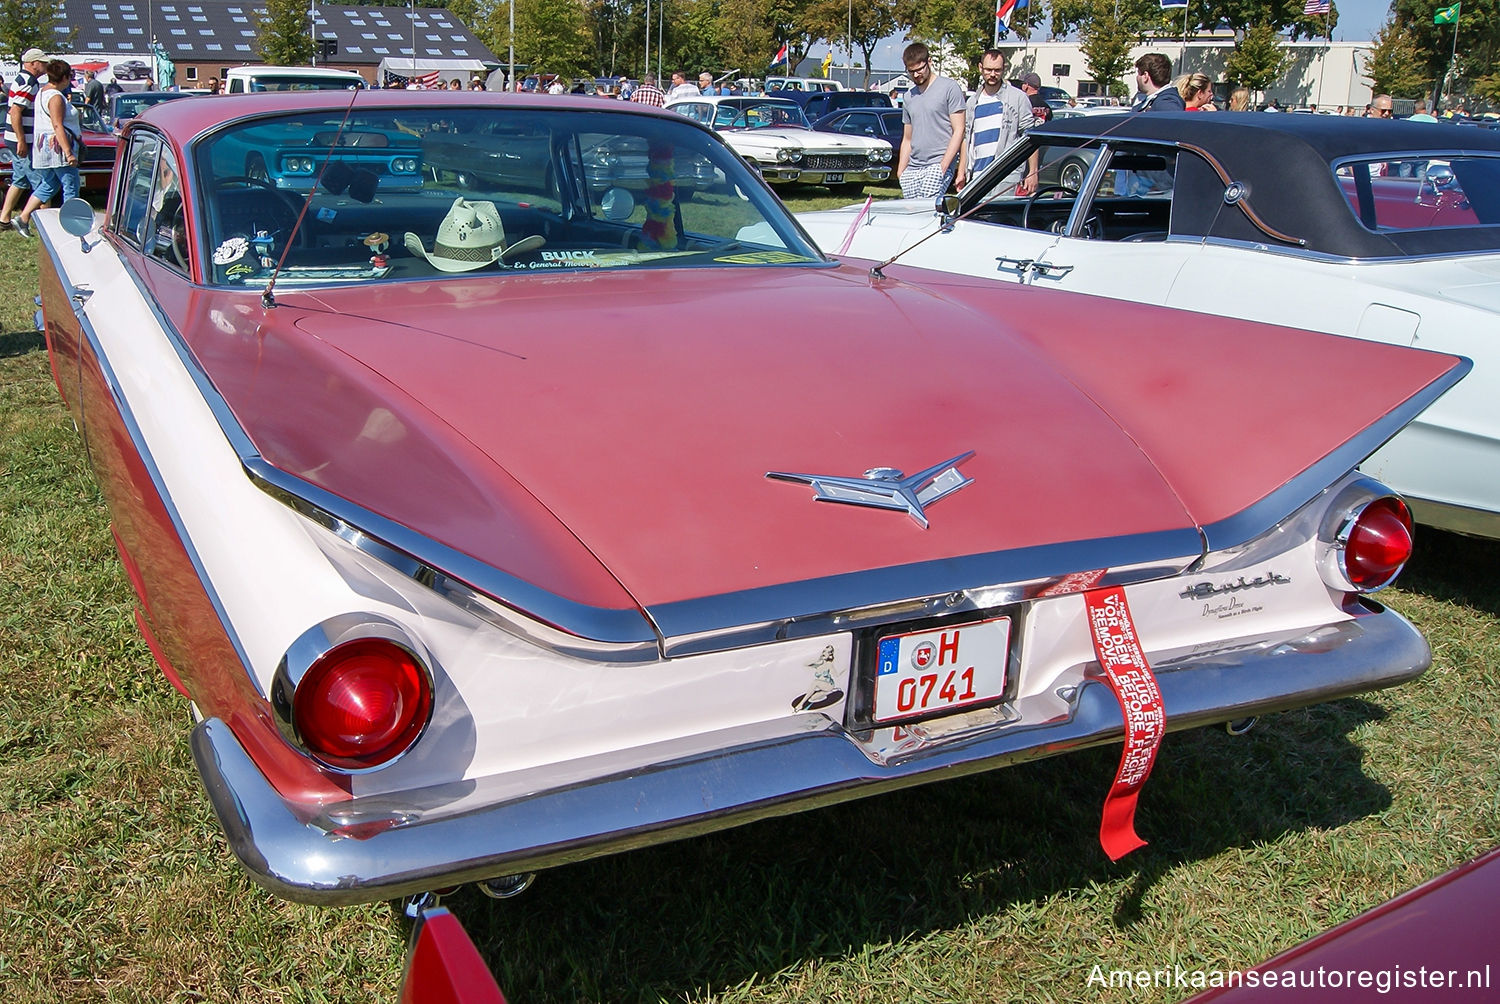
point(488, 530)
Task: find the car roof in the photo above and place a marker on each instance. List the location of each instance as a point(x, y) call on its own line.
point(185, 119)
point(1287, 162)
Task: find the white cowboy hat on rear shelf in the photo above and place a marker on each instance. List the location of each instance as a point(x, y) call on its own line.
point(470, 236)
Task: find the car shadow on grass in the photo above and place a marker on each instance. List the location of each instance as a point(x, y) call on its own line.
point(18, 343)
point(1455, 569)
point(679, 921)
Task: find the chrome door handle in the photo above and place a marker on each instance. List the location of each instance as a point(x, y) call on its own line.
point(1027, 268)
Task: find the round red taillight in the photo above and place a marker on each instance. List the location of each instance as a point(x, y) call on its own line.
point(362, 704)
point(1377, 544)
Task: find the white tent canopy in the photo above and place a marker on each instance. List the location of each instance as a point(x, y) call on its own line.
point(448, 69)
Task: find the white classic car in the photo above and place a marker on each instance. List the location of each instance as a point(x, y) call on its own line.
point(1387, 231)
point(774, 135)
point(488, 530)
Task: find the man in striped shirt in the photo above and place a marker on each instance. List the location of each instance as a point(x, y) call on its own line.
point(20, 108)
point(995, 116)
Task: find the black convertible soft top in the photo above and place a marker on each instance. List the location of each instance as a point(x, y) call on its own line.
point(1287, 162)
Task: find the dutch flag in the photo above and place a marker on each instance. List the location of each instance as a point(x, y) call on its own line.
point(781, 55)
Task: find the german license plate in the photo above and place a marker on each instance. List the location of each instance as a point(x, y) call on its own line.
point(833, 179)
point(932, 671)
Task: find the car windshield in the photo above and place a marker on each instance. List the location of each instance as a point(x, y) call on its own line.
point(89, 120)
point(1422, 193)
point(753, 114)
point(128, 106)
point(414, 191)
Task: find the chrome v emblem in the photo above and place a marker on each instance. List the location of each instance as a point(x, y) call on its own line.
point(886, 488)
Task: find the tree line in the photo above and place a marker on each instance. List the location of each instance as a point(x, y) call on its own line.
point(1411, 54)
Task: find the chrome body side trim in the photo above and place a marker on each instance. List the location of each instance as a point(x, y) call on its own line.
point(380, 848)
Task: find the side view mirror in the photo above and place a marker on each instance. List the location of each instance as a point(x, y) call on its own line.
point(77, 218)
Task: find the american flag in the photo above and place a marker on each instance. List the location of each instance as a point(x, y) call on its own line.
point(430, 80)
point(1316, 8)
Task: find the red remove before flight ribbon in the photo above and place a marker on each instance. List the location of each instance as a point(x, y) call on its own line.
point(1129, 675)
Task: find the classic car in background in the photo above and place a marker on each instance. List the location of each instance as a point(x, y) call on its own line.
point(1386, 231)
point(488, 531)
point(878, 123)
point(98, 153)
point(122, 107)
point(342, 153)
point(512, 153)
point(774, 135)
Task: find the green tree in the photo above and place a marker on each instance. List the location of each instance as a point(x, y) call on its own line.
point(1258, 60)
point(746, 35)
point(873, 20)
point(285, 38)
point(27, 23)
point(1477, 45)
point(1105, 44)
point(1396, 65)
point(554, 37)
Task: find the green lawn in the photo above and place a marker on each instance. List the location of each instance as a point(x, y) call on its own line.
point(116, 885)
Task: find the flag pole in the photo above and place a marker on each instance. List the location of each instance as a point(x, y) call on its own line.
point(1182, 59)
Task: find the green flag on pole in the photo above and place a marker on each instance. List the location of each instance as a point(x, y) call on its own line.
point(1448, 15)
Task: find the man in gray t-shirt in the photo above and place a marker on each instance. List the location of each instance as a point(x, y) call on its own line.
point(932, 118)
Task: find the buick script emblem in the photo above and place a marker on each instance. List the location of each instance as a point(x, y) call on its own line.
point(886, 488)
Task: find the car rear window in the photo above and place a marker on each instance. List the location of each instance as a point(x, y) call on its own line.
point(1422, 193)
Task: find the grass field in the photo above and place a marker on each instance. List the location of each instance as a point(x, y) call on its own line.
point(116, 885)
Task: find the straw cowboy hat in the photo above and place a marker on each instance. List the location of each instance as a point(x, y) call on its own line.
point(470, 237)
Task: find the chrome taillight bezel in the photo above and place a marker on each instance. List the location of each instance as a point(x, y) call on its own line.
point(316, 643)
point(1340, 519)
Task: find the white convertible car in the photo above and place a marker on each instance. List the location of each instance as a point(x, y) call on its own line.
point(1387, 231)
point(775, 136)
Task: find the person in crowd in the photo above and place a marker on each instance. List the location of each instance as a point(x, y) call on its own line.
point(1031, 86)
point(56, 145)
point(994, 117)
point(556, 87)
point(1419, 114)
point(932, 133)
point(93, 91)
point(455, 85)
point(20, 115)
point(477, 84)
point(214, 86)
point(706, 83)
point(681, 88)
point(1197, 92)
point(1239, 99)
point(1153, 75)
point(649, 94)
point(627, 88)
point(1382, 107)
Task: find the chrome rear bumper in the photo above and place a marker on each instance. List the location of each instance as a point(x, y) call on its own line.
point(373, 848)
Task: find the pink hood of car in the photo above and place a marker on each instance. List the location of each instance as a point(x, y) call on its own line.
point(606, 435)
